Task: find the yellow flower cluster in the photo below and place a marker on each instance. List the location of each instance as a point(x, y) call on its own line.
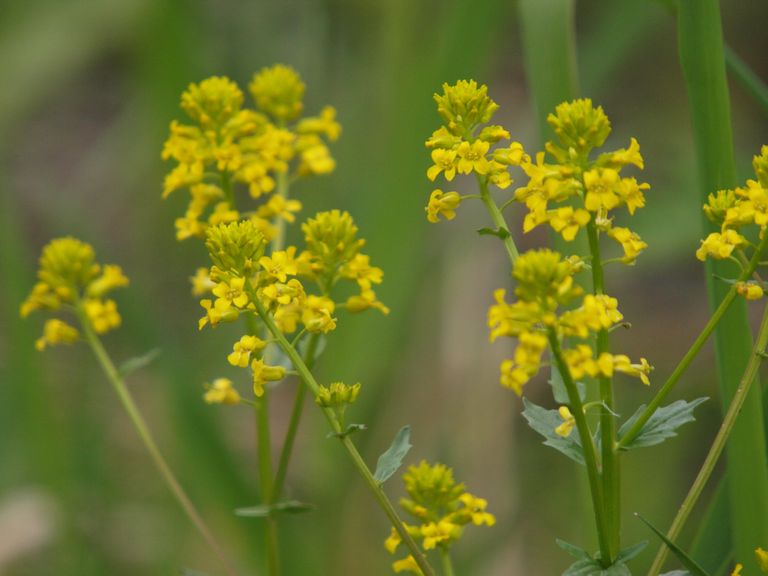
point(762, 562)
point(544, 284)
point(583, 190)
point(462, 146)
point(733, 210)
point(70, 279)
point(228, 144)
point(442, 508)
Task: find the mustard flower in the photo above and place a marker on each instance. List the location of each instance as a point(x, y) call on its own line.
point(337, 394)
point(444, 161)
point(750, 290)
point(243, 348)
point(568, 221)
point(221, 392)
point(579, 125)
point(761, 555)
point(464, 105)
point(630, 242)
point(317, 314)
point(472, 157)
point(720, 245)
point(442, 204)
point(280, 264)
point(278, 91)
point(365, 300)
point(56, 332)
point(569, 422)
point(263, 373)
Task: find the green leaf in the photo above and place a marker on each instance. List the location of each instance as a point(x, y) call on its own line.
point(573, 550)
point(631, 551)
point(502, 233)
point(391, 460)
point(662, 424)
point(677, 573)
point(350, 429)
point(559, 392)
point(712, 547)
point(264, 510)
point(590, 567)
point(138, 362)
point(685, 560)
point(544, 422)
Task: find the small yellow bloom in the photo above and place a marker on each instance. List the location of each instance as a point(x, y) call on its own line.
point(602, 188)
point(569, 422)
point(336, 395)
point(102, 314)
point(111, 277)
point(720, 245)
point(364, 301)
point(280, 264)
point(622, 364)
point(393, 541)
point(201, 282)
point(279, 207)
point(761, 555)
point(316, 160)
point(407, 564)
point(568, 221)
point(435, 533)
point(750, 290)
point(445, 161)
point(737, 570)
point(472, 157)
point(631, 193)
point(243, 348)
point(442, 204)
point(221, 392)
point(514, 155)
point(263, 374)
point(360, 270)
point(477, 507)
point(316, 314)
point(325, 124)
point(215, 312)
point(56, 332)
point(630, 242)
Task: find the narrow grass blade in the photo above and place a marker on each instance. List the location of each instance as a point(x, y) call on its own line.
point(685, 560)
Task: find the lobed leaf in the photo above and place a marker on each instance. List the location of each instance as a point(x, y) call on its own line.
point(544, 422)
point(663, 424)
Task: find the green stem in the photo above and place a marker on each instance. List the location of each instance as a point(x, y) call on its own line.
point(632, 433)
point(750, 81)
point(293, 425)
point(146, 437)
point(498, 219)
point(445, 557)
point(587, 445)
point(717, 445)
point(611, 475)
point(362, 467)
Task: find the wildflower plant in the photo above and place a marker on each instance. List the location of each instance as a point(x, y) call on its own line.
point(575, 187)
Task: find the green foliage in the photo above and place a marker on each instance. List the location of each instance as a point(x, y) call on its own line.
point(685, 560)
point(392, 459)
point(544, 422)
point(264, 510)
point(663, 424)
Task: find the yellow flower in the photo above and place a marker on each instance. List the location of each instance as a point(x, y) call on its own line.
point(235, 247)
point(325, 124)
point(580, 361)
point(631, 193)
point(281, 294)
point(622, 364)
point(407, 564)
point(476, 507)
point(630, 243)
point(515, 376)
point(220, 311)
point(230, 292)
point(445, 161)
point(316, 314)
point(212, 102)
point(111, 277)
point(472, 157)
point(279, 207)
point(280, 264)
point(464, 105)
point(761, 555)
point(569, 422)
point(316, 160)
point(221, 392)
point(201, 282)
point(102, 314)
point(510, 319)
point(41, 297)
point(750, 290)
point(568, 221)
point(493, 134)
point(720, 245)
point(602, 189)
point(623, 157)
point(543, 276)
point(514, 155)
point(442, 204)
point(393, 541)
point(56, 332)
point(435, 533)
point(223, 213)
point(243, 348)
point(579, 125)
point(263, 374)
point(442, 138)
point(364, 301)
point(719, 204)
point(737, 570)
point(360, 270)
point(278, 91)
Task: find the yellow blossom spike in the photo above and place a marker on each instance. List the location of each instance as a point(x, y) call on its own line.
point(278, 91)
point(579, 125)
point(337, 394)
point(464, 105)
point(243, 348)
point(235, 247)
point(213, 101)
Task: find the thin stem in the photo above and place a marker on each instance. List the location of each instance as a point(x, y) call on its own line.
point(717, 445)
point(611, 472)
point(293, 425)
point(693, 351)
point(445, 557)
point(362, 467)
point(141, 427)
point(587, 445)
point(498, 218)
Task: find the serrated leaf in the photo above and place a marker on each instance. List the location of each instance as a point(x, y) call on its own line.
point(264, 510)
point(592, 567)
point(502, 233)
point(391, 460)
point(573, 550)
point(663, 424)
point(685, 560)
point(138, 362)
point(350, 429)
point(544, 422)
point(630, 552)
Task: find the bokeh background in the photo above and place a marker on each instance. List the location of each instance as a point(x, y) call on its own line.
point(89, 88)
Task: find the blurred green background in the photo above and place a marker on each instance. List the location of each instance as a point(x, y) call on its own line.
point(89, 88)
